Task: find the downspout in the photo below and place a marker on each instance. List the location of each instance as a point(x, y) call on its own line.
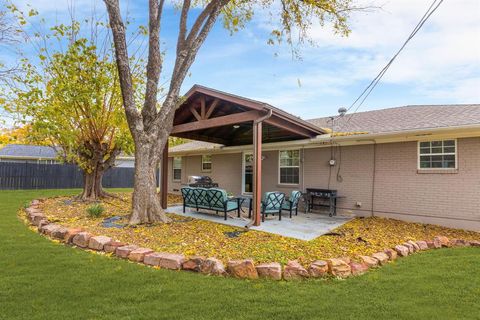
point(373, 175)
point(255, 122)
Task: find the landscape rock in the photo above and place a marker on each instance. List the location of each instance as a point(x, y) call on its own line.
point(415, 245)
point(369, 261)
point(213, 266)
point(36, 218)
point(402, 250)
point(443, 240)
point(98, 242)
point(33, 210)
point(49, 228)
point(422, 245)
point(382, 257)
point(42, 223)
point(112, 246)
point(193, 263)
point(271, 270)
point(71, 232)
point(318, 269)
point(410, 247)
point(244, 269)
point(165, 260)
point(459, 243)
point(358, 268)
point(433, 244)
point(123, 252)
point(294, 271)
point(59, 233)
point(35, 202)
point(474, 243)
point(138, 254)
point(392, 254)
point(339, 268)
point(81, 239)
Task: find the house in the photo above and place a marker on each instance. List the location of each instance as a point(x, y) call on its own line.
point(416, 163)
point(22, 153)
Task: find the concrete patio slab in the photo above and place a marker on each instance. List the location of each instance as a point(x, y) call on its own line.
point(305, 226)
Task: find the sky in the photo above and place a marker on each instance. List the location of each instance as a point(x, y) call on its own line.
point(441, 65)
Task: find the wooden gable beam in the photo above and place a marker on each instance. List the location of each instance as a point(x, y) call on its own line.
point(212, 107)
point(217, 121)
point(291, 127)
point(202, 107)
point(195, 113)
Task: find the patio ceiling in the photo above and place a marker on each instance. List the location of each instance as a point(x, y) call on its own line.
point(214, 116)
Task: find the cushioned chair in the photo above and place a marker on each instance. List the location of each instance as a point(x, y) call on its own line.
point(291, 204)
point(272, 203)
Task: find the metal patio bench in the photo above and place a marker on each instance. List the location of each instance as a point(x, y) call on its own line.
point(210, 199)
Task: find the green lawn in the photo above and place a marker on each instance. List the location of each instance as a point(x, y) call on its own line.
point(40, 279)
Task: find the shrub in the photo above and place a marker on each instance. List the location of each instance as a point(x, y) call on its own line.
point(95, 210)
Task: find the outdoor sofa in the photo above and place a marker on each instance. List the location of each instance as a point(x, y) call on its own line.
point(210, 199)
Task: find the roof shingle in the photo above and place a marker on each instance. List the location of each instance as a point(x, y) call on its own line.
point(24, 150)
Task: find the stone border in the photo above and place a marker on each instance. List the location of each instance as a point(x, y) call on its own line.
point(342, 267)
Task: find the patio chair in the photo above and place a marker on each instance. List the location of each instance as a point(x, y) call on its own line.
point(272, 203)
point(290, 204)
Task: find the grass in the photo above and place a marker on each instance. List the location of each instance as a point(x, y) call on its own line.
point(205, 238)
point(40, 279)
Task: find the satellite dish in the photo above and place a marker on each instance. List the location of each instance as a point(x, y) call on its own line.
point(342, 111)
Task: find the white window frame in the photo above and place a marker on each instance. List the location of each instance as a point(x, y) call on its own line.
point(173, 169)
point(299, 164)
point(437, 154)
point(202, 162)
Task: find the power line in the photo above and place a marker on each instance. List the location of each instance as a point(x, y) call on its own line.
point(366, 92)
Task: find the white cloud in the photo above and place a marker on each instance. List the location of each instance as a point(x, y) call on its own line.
point(445, 51)
point(441, 64)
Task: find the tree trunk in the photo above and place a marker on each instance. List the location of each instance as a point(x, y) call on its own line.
point(92, 187)
point(146, 207)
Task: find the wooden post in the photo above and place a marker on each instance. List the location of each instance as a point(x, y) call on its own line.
point(257, 172)
point(164, 178)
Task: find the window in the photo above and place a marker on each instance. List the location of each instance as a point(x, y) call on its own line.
point(439, 154)
point(206, 163)
point(289, 166)
point(177, 168)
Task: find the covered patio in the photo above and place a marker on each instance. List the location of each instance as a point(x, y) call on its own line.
point(213, 116)
point(304, 226)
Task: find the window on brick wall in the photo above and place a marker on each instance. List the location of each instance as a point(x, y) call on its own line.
point(438, 154)
point(177, 168)
point(289, 166)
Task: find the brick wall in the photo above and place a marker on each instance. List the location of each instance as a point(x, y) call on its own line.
point(401, 191)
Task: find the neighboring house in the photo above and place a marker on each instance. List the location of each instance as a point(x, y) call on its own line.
point(21, 153)
point(416, 163)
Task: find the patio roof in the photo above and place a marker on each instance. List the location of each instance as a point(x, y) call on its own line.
point(219, 117)
point(214, 116)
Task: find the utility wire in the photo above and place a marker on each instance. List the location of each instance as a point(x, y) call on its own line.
point(366, 92)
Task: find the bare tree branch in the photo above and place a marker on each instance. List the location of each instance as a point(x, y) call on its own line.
point(118, 30)
point(154, 63)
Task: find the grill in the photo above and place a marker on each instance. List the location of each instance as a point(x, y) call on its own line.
point(322, 198)
point(201, 182)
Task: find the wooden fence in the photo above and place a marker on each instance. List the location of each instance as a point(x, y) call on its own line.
point(56, 176)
